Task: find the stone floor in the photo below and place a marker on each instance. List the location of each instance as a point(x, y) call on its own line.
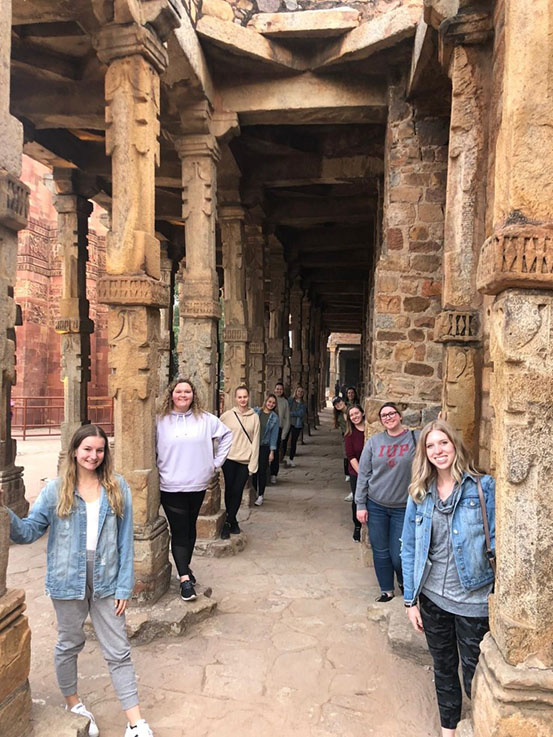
point(290, 649)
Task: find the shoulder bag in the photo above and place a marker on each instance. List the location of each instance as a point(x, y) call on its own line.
point(490, 553)
point(242, 426)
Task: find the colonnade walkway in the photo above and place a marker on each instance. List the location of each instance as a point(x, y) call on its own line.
point(289, 650)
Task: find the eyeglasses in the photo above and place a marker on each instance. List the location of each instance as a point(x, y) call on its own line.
point(388, 415)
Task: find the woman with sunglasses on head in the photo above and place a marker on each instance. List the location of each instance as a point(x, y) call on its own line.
point(446, 563)
point(381, 494)
point(268, 444)
point(354, 440)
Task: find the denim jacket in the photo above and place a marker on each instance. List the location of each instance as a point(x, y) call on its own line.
point(298, 411)
point(270, 436)
point(468, 539)
point(66, 551)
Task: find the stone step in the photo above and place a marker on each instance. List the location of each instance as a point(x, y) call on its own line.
point(55, 721)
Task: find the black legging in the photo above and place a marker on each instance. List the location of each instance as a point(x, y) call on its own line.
point(275, 465)
point(236, 474)
point(259, 479)
point(182, 509)
point(294, 435)
point(353, 486)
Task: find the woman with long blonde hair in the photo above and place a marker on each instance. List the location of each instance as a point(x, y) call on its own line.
point(89, 567)
point(447, 569)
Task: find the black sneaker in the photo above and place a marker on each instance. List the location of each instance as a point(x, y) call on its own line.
point(187, 592)
point(384, 597)
point(234, 528)
point(357, 534)
point(225, 532)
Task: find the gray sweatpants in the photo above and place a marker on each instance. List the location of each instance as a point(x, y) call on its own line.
point(111, 634)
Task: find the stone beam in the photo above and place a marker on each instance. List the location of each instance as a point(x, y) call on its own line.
point(313, 210)
point(306, 23)
point(187, 63)
point(249, 44)
point(424, 52)
point(305, 168)
point(325, 239)
point(59, 104)
point(306, 98)
point(43, 11)
point(375, 35)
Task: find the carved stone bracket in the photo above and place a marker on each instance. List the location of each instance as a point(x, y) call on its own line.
point(257, 348)
point(115, 41)
point(458, 326)
point(73, 325)
point(200, 308)
point(235, 335)
point(472, 25)
point(516, 256)
point(133, 290)
point(14, 202)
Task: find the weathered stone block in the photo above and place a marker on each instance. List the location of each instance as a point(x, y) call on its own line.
point(15, 713)
point(430, 213)
point(218, 9)
point(416, 304)
point(404, 352)
point(209, 526)
point(431, 288)
point(388, 304)
point(387, 283)
point(416, 335)
point(389, 335)
point(395, 239)
point(47, 721)
point(418, 233)
point(406, 194)
point(426, 263)
point(418, 369)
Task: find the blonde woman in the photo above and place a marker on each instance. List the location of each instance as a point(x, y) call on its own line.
point(446, 571)
point(243, 456)
point(186, 461)
point(89, 568)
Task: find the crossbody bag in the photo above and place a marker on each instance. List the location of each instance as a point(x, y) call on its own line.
point(242, 426)
point(490, 553)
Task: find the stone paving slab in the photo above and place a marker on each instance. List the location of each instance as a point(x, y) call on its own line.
point(290, 649)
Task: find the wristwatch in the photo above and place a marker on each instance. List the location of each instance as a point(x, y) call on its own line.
point(408, 606)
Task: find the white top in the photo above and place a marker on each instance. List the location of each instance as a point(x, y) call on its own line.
point(92, 519)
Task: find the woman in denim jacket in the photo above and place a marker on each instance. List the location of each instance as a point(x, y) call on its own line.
point(268, 443)
point(89, 567)
point(446, 572)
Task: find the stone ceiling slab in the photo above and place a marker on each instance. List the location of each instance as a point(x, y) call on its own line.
point(305, 99)
point(247, 43)
point(306, 23)
point(375, 35)
point(187, 63)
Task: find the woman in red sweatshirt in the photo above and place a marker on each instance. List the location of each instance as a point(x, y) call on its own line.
point(354, 440)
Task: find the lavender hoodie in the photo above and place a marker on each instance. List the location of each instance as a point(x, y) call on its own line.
point(185, 455)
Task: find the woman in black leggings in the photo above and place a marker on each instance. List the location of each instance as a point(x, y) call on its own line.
point(186, 464)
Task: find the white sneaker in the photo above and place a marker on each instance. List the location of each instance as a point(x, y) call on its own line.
point(291, 464)
point(347, 479)
point(273, 479)
point(259, 501)
point(141, 729)
point(82, 711)
point(349, 497)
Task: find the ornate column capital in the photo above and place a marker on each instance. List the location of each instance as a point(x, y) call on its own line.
point(117, 41)
point(230, 211)
point(516, 256)
point(196, 145)
point(458, 326)
point(14, 202)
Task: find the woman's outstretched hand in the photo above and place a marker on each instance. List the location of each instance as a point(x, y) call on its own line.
point(415, 618)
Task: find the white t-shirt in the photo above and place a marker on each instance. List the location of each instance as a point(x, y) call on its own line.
point(92, 519)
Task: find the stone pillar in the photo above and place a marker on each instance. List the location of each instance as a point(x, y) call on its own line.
point(305, 332)
point(166, 315)
point(286, 337)
point(231, 223)
point(276, 356)
point(513, 688)
point(333, 367)
point(458, 326)
point(406, 363)
point(15, 635)
point(255, 300)
point(199, 289)
point(313, 356)
point(296, 294)
point(132, 287)
point(74, 324)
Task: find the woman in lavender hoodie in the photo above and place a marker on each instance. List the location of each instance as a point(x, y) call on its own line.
point(186, 461)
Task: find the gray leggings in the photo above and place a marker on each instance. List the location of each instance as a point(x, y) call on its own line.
point(111, 634)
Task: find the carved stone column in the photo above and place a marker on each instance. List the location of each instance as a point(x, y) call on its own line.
point(458, 327)
point(513, 688)
point(74, 324)
point(255, 297)
point(314, 347)
point(199, 290)
point(296, 294)
point(132, 287)
point(231, 223)
point(166, 314)
point(276, 357)
point(15, 635)
point(286, 371)
point(305, 332)
point(333, 368)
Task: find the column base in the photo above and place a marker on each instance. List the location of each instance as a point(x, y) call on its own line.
point(13, 488)
point(509, 701)
point(152, 570)
point(15, 662)
point(209, 526)
point(221, 548)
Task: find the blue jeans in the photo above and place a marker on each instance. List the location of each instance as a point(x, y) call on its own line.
point(385, 526)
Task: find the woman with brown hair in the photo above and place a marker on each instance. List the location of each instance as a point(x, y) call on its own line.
point(186, 462)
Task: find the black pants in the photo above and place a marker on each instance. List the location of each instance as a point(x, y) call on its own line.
point(346, 466)
point(236, 474)
point(352, 486)
point(448, 636)
point(259, 479)
point(275, 465)
point(182, 509)
point(294, 435)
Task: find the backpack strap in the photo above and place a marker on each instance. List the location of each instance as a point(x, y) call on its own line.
point(490, 554)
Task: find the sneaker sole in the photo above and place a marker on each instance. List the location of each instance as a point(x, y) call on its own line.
point(189, 598)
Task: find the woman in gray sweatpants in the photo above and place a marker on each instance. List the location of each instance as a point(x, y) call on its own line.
point(89, 569)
